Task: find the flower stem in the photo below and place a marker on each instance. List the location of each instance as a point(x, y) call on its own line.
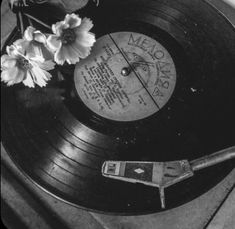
point(21, 23)
point(37, 20)
point(30, 22)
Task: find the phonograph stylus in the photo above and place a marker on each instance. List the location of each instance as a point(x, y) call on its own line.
point(162, 174)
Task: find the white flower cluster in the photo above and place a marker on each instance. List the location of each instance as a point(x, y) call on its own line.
point(29, 59)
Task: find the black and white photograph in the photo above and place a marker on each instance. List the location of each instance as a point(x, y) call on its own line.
point(118, 114)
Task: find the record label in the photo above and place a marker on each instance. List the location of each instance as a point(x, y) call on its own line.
point(128, 76)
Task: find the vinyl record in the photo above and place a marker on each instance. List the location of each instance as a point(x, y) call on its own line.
point(177, 103)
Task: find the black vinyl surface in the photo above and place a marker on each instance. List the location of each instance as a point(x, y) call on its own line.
point(61, 144)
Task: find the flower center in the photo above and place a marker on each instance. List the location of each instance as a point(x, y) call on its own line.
point(24, 64)
point(68, 36)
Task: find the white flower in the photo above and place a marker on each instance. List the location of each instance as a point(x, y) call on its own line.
point(72, 39)
point(35, 43)
point(20, 66)
point(31, 34)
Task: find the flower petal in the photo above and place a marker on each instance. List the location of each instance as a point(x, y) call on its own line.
point(28, 81)
point(67, 53)
point(86, 25)
point(72, 55)
point(85, 39)
point(39, 37)
point(47, 65)
point(47, 75)
point(48, 54)
point(72, 20)
point(21, 45)
point(34, 50)
point(9, 74)
point(7, 62)
point(20, 76)
point(58, 27)
point(39, 76)
point(17, 48)
point(5, 76)
point(12, 51)
point(60, 56)
point(82, 51)
point(53, 42)
point(28, 33)
point(36, 60)
point(12, 76)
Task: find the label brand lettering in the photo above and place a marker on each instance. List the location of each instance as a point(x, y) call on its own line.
point(147, 45)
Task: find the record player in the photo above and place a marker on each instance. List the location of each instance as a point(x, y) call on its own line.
point(158, 86)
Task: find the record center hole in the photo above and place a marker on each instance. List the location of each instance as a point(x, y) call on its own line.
point(125, 71)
